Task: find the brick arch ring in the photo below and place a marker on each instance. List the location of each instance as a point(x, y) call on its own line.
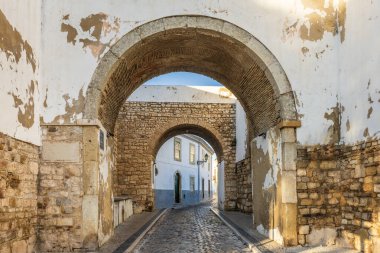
point(220, 50)
point(200, 44)
point(185, 126)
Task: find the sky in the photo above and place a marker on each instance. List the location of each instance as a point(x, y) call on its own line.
point(183, 78)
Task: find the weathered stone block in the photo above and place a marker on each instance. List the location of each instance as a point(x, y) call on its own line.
point(304, 230)
point(324, 236)
point(306, 202)
point(20, 246)
point(288, 182)
point(326, 165)
point(90, 177)
point(65, 222)
point(61, 151)
point(368, 187)
point(371, 171)
point(359, 171)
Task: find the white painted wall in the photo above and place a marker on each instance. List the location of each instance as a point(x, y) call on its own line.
point(185, 94)
point(330, 72)
point(167, 166)
point(220, 182)
point(241, 132)
point(359, 75)
point(69, 69)
point(19, 67)
point(270, 145)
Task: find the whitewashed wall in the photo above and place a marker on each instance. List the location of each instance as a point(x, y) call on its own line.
point(19, 69)
point(325, 72)
point(185, 94)
point(313, 66)
point(241, 133)
point(359, 75)
point(220, 182)
point(167, 166)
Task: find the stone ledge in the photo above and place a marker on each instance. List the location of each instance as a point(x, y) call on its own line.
point(289, 124)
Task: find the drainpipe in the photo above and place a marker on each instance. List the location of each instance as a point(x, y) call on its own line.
point(199, 149)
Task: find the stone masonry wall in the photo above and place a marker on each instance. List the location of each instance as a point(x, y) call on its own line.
point(139, 123)
point(18, 195)
point(60, 191)
point(75, 212)
point(339, 195)
point(244, 181)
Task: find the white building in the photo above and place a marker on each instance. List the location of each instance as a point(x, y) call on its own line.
point(183, 171)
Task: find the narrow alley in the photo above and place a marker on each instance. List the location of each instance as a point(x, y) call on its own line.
point(191, 229)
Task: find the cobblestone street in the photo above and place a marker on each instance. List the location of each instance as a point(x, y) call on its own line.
point(192, 229)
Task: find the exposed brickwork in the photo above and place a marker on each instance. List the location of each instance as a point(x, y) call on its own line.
point(339, 187)
point(143, 127)
point(244, 181)
point(18, 195)
point(194, 50)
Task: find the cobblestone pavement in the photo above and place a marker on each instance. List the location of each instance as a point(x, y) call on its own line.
point(192, 229)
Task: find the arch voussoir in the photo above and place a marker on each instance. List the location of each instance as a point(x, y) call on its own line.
point(220, 50)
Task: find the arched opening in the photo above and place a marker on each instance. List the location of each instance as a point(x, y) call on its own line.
point(229, 55)
point(197, 44)
point(194, 147)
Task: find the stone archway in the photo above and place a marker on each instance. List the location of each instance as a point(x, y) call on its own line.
point(190, 126)
point(142, 128)
point(198, 44)
point(218, 49)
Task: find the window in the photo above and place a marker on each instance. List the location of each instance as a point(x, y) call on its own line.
point(192, 153)
point(192, 183)
point(177, 149)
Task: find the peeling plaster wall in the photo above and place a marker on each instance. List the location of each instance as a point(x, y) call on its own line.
point(359, 60)
point(318, 43)
point(266, 188)
point(19, 67)
point(106, 166)
point(304, 35)
point(241, 133)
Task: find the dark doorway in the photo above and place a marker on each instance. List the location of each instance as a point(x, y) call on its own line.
point(177, 187)
point(203, 188)
point(209, 188)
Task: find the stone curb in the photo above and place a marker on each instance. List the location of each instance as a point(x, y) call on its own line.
point(141, 236)
point(251, 245)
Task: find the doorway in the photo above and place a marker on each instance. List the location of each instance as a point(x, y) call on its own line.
point(177, 187)
point(203, 188)
point(209, 189)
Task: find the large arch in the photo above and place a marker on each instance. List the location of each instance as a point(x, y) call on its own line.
point(220, 50)
point(198, 44)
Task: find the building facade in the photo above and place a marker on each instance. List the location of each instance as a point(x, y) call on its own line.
point(182, 175)
point(305, 72)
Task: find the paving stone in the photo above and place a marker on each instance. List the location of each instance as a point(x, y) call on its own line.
point(191, 229)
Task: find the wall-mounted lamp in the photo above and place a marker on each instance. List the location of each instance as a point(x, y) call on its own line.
point(155, 169)
point(203, 161)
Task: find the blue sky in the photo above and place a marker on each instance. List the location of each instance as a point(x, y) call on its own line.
point(183, 78)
